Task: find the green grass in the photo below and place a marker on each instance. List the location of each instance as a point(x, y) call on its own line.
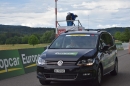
point(117, 41)
point(21, 46)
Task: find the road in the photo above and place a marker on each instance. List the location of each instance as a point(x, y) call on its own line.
point(122, 79)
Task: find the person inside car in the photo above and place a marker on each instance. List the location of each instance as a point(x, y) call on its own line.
point(72, 44)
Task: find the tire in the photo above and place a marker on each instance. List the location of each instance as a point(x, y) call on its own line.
point(115, 71)
point(44, 82)
point(98, 80)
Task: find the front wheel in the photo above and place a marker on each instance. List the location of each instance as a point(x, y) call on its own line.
point(98, 80)
point(44, 82)
point(115, 71)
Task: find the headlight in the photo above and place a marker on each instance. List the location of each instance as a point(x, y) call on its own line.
point(87, 62)
point(41, 61)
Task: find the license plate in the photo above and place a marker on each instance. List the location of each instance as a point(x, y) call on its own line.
point(59, 70)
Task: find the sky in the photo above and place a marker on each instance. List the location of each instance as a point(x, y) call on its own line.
point(92, 14)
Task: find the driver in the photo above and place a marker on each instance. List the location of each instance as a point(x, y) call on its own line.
point(72, 44)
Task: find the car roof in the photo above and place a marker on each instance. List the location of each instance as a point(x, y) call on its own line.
point(83, 32)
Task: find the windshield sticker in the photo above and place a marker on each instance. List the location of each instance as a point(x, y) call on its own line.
point(67, 53)
point(93, 35)
point(78, 35)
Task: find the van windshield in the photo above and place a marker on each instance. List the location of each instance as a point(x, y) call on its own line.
point(75, 41)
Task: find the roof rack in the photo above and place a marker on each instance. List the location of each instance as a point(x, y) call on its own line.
point(70, 29)
point(65, 29)
point(78, 22)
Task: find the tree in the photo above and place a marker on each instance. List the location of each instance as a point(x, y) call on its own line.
point(47, 37)
point(118, 35)
point(17, 39)
point(123, 37)
point(127, 35)
point(25, 39)
point(2, 38)
point(11, 40)
point(33, 40)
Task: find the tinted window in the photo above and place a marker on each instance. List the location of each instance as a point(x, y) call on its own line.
point(79, 41)
point(106, 39)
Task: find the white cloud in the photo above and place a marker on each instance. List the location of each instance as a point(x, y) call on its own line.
point(102, 13)
point(107, 26)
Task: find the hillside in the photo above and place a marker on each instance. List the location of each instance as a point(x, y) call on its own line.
point(23, 29)
point(41, 30)
point(113, 30)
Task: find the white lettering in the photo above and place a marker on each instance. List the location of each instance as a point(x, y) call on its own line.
point(33, 58)
point(1, 63)
point(10, 59)
point(23, 59)
point(29, 59)
point(10, 62)
point(6, 64)
point(15, 61)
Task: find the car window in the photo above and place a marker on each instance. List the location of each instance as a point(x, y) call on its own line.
point(58, 42)
point(110, 40)
point(106, 39)
point(73, 41)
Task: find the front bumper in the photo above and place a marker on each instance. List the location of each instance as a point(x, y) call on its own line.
point(73, 73)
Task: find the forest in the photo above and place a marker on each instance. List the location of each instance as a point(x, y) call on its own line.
point(11, 34)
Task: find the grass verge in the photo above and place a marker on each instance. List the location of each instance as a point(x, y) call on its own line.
point(21, 46)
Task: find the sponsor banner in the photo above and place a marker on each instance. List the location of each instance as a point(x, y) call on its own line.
point(10, 64)
point(67, 53)
point(29, 58)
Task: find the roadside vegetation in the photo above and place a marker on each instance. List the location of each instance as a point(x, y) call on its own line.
point(21, 46)
point(20, 37)
point(32, 39)
point(122, 36)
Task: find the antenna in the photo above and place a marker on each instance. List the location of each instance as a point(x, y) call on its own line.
point(88, 21)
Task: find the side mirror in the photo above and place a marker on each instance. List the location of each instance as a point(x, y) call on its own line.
point(105, 48)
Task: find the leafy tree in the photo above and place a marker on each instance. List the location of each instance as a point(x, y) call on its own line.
point(11, 40)
point(33, 40)
point(25, 39)
point(38, 35)
point(52, 37)
point(17, 39)
point(117, 35)
point(2, 38)
point(127, 35)
point(47, 37)
point(123, 36)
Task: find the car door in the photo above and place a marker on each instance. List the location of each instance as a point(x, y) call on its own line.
point(106, 55)
point(111, 51)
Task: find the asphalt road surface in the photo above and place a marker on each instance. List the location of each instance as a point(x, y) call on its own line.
point(122, 79)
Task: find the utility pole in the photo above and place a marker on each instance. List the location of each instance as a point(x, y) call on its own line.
point(56, 18)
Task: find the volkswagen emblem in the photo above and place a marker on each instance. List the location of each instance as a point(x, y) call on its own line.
point(59, 63)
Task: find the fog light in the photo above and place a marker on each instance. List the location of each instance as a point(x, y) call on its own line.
point(86, 74)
